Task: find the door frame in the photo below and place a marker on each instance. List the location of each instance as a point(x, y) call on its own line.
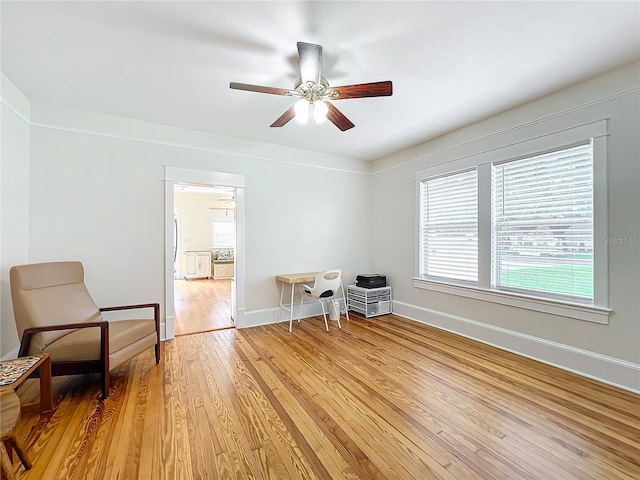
point(173, 175)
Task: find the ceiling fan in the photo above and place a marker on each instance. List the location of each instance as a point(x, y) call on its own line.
point(314, 91)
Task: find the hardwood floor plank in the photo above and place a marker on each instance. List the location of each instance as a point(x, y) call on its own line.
point(371, 397)
point(298, 440)
point(559, 397)
point(349, 449)
point(177, 449)
point(151, 465)
point(234, 444)
point(382, 398)
point(243, 418)
point(54, 457)
point(549, 412)
point(331, 463)
point(333, 389)
point(272, 425)
point(383, 381)
point(124, 452)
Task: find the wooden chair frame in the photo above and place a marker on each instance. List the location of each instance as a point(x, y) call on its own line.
point(100, 366)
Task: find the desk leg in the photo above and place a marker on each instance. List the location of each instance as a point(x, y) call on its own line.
point(281, 298)
point(291, 317)
point(282, 305)
point(46, 391)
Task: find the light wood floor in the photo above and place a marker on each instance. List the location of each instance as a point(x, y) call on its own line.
point(385, 398)
point(202, 305)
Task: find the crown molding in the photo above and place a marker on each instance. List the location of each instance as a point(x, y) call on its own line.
point(17, 112)
point(499, 133)
point(189, 147)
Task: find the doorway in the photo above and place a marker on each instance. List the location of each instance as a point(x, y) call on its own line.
point(204, 251)
point(203, 178)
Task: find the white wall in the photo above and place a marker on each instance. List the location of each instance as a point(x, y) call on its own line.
point(14, 201)
point(97, 195)
point(610, 352)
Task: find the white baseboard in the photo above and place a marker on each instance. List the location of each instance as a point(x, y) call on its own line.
point(613, 371)
point(256, 318)
point(164, 334)
point(268, 316)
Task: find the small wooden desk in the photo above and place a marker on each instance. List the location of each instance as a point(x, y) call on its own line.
point(46, 394)
point(293, 279)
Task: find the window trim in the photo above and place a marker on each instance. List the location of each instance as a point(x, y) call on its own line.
point(599, 311)
point(545, 305)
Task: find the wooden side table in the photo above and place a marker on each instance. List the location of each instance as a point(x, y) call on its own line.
point(14, 372)
point(10, 414)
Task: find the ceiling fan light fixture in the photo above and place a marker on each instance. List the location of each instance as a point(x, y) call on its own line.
point(306, 110)
point(320, 111)
point(302, 111)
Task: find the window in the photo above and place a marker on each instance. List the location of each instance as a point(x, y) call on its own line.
point(450, 226)
point(543, 224)
point(223, 232)
point(516, 225)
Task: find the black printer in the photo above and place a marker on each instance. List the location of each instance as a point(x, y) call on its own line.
point(371, 280)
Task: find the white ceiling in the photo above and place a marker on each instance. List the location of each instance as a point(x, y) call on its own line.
point(451, 63)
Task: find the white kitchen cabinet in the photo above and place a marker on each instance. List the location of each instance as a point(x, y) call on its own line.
point(198, 264)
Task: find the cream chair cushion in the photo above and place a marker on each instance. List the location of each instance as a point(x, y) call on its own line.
point(84, 344)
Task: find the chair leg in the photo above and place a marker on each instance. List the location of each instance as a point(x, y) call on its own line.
point(8, 446)
point(158, 351)
point(104, 376)
point(324, 314)
point(346, 305)
point(6, 467)
point(22, 455)
point(299, 313)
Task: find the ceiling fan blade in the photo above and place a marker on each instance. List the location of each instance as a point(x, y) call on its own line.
point(284, 118)
point(258, 88)
point(375, 89)
point(336, 117)
point(310, 56)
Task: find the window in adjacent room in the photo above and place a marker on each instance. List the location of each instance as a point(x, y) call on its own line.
point(223, 232)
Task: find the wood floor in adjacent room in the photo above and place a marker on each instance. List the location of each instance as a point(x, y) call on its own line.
point(385, 398)
point(201, 305)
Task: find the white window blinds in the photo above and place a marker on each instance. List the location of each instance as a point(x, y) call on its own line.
point(223, 232)
point(449, 233)
point(543, 224)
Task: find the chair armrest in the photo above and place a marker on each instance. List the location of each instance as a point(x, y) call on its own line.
point(130, 307)
point(155, 306)
point(66, 326)
point(25, 343)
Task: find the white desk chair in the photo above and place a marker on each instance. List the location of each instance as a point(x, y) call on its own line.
point(326, 285)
